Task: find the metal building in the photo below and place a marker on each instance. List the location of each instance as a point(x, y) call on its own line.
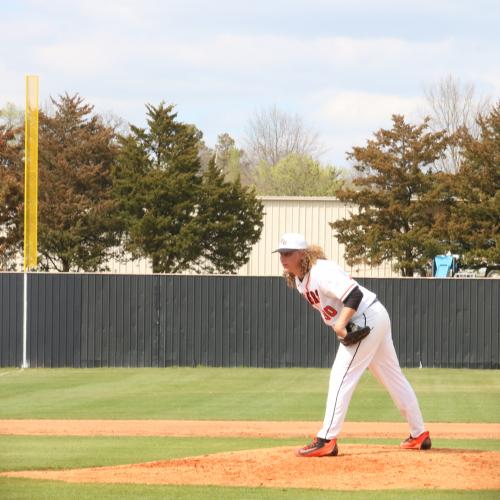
point(308, 215)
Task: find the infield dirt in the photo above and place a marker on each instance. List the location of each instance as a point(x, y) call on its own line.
point(358, 466)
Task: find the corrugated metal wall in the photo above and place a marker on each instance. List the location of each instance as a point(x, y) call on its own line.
point(11, 319)
point(92, 320)
point(311, 217)
point(452, 323)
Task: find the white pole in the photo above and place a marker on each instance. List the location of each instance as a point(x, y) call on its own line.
point(25, 320)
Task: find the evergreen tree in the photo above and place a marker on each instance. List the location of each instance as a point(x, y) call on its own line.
point(11, 195)
point(157, 183)
point(398, 198)
point(76, 226)
point(75, 156)
point(231, 217)
point(167, 210)
point(474, 226)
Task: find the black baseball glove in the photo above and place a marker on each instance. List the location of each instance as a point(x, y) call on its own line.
point(355, 333)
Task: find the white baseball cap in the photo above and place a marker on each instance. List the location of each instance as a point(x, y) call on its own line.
point(291, 241)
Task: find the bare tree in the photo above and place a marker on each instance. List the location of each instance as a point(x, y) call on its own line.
point(115, 122)
point(205, 154)
point(452, 106)
point(11, 116)
point(273, 134)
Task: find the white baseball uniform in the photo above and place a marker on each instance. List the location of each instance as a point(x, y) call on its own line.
point(325, 287)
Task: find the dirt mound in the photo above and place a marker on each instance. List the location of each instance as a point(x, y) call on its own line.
point(365, 467)
point(357, 467)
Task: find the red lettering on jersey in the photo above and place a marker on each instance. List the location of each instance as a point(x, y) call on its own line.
point(312, 297)
point(329, 312)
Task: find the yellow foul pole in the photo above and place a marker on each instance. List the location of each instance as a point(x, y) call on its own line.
point(31, 174)
point(30, 196)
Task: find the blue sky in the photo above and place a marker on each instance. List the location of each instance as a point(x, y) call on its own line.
point(343, 66)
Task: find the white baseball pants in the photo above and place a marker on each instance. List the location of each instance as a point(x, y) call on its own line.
point(376, 352)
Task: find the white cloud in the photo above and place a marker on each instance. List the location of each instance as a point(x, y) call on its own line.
point(255, 55)
point(347, 66)
point(77, 59)
point(353, 109)
point(492, 79)
point(12, 86)
point(270, 51)
point(350, 118)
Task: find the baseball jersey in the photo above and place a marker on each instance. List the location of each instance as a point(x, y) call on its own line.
point(326, 286)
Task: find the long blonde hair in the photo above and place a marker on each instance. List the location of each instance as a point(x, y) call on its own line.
point(311, 254)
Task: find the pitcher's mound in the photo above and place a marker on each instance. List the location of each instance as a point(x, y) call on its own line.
point(357, 467)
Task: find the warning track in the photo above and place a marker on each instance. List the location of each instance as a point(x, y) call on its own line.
point(232, 428)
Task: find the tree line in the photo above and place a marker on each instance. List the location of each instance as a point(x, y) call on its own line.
point(408, 210)
point(102, 194)
point(417, 189)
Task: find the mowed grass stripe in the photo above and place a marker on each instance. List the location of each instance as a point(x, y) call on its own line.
point(26, 489)
point(445, 395)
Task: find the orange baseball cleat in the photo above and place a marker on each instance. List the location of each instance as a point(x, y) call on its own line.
point(422, 442)
point(319, 448)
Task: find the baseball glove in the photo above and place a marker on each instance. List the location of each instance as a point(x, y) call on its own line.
point(355, 333)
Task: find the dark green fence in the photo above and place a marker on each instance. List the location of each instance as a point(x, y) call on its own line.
point(93, 320)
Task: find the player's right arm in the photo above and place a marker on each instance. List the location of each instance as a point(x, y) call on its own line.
point(351, 304)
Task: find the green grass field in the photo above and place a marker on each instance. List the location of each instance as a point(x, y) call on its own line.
point(445, 395)
point(215, 394)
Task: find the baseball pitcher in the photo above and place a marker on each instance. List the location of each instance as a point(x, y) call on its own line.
point(363, 328)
